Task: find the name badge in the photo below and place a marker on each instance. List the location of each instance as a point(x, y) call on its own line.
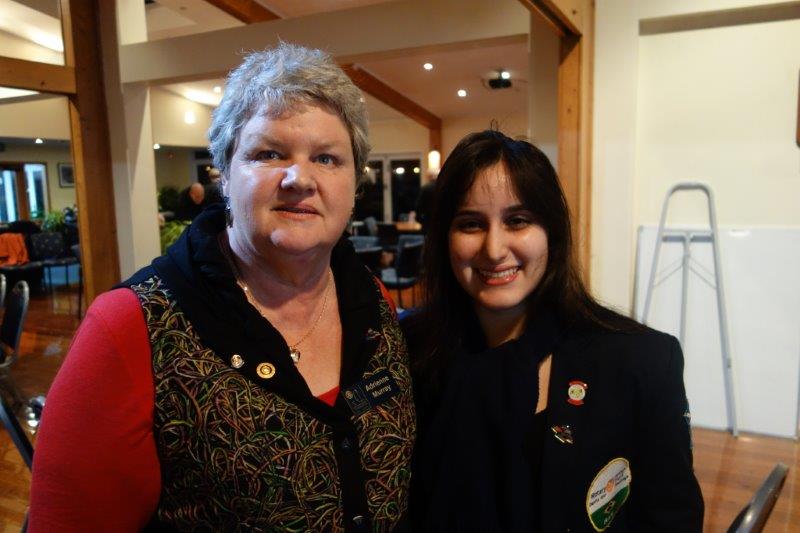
point(371, 392)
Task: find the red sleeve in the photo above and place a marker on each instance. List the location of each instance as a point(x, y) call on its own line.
point(95, 466)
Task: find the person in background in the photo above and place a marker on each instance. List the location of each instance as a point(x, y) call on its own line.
point(191, 202)
point(255, 377)
point(212, 191)
point(424, 207)
point(539, 409)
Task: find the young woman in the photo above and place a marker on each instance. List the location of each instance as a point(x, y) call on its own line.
point(539, 409)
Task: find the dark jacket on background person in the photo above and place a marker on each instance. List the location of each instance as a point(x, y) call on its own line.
point(484, 461)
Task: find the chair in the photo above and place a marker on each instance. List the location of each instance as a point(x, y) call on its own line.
point(10, 334)
point(387, 235)
point(371, 257)
point(2, 291)
point(405, 273)
point(20, 439)
point(19, 265)
point(372, 225)
point(48, 247)
point(363, 241)
point(755, 514)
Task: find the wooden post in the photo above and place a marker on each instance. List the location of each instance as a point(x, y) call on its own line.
point(573, 22)
point(91, 153)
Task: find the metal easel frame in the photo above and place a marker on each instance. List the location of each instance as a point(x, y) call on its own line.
point(687, 237)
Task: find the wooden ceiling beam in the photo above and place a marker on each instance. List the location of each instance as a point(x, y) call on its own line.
point(381, 91)
point(35, 76)
point(247, 11)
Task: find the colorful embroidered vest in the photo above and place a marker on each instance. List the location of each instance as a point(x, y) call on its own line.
point(236, 456)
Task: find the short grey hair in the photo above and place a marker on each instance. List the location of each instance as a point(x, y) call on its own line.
point(281, 79)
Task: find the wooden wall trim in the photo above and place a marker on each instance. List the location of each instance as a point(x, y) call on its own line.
point(248, 11)
point(91, 152)
point(35, 76)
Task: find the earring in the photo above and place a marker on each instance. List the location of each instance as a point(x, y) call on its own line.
point(228, 214)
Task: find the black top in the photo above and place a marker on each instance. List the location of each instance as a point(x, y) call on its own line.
point(617, 457)
point(483, 433)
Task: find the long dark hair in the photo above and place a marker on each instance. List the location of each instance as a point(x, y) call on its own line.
point(440, 329)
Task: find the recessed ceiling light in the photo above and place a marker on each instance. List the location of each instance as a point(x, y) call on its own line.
point(217, 89)
point(156, 146)
point(400, 170)
point(416, 170)
point(39, 140)
point(506, 75)
point(189, 118)
point(462, 93)
point(428, 66)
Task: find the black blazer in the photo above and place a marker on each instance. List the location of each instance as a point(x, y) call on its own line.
point(628, 420)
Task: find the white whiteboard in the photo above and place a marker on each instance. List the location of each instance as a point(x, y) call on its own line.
point(761, 277)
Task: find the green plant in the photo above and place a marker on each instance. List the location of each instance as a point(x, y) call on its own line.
point(53, 221)
point(171, 231)
point(168, 199)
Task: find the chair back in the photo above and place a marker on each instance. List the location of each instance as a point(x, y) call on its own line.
point(406, 240)
point(372, 225)
point(363, 241)
point(754, 516)
point(408, 260)
point(47, 245)
point(387, 234)
point(13, 320)
point(371, 257)
point(18, 435)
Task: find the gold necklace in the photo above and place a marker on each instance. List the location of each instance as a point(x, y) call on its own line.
point(294, 353)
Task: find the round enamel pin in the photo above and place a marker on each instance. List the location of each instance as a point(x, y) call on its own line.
point(608, 492)
point(576, 392)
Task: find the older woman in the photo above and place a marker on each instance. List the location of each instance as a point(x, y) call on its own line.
point(255, 376)
point(540, 410)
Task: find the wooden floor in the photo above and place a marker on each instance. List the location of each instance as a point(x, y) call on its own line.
point(729, 470)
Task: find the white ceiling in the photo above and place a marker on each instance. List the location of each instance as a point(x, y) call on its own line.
point(203, 92)
point(295, 8)
point(434, 90)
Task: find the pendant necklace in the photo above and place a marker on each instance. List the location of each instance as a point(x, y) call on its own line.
point(294, 352)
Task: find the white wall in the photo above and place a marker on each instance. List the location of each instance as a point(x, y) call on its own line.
point(58, 197)
point(167, 112)
point(717, 106)
point(454, 129)
point(398, 135)
point(47, 118)
point(691, 124)
point(16, 47)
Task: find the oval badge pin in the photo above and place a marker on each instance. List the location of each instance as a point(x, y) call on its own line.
point(608, 492)
point(576, 392)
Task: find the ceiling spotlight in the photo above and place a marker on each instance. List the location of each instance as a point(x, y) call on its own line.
point(428, 66)
point(39, 140)
point(217, 89)
point(462, 93)
point(156, 146)
point(416, 170)
point(400, 171)
point(502, 81)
